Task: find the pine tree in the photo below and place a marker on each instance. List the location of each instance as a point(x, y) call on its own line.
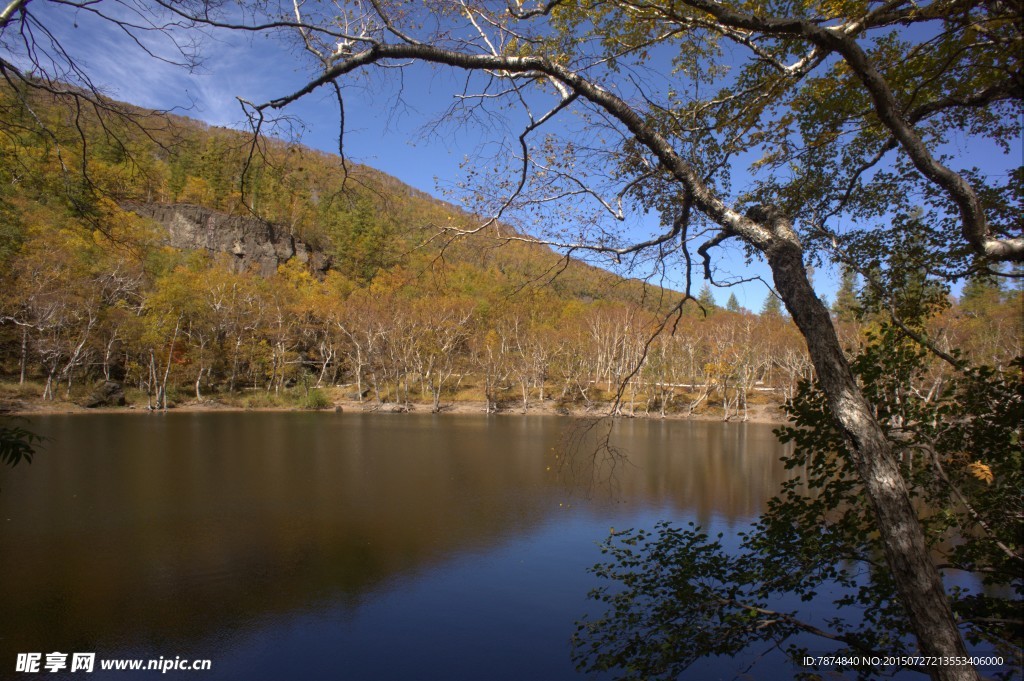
point(706, 299)
point(772, 306)
point(981, 293)
point(845, 306)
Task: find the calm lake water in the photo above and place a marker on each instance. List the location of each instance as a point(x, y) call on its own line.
point(344, 546)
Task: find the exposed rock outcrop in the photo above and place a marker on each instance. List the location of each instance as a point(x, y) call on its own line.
point(107, 394)
point(254, 244)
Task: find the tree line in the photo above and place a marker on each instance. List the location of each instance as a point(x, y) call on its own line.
point(824, 134)
point(182, 326)
point(91, 292)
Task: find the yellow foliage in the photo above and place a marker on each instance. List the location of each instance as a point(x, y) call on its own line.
point(981, 471)
point(197, 190)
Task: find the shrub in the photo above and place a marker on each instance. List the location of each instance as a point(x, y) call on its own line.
point(316, 399)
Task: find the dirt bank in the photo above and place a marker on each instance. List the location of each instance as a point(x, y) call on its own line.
point(760, 413)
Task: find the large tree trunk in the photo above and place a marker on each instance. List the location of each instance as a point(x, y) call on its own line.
point(915, 575)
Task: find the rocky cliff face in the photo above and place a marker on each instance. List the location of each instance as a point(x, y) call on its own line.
point(254, 244)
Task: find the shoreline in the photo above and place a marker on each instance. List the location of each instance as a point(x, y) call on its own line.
point(768, 414)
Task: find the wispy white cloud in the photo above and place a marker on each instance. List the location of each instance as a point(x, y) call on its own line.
point(381, 117)
point(154, 69)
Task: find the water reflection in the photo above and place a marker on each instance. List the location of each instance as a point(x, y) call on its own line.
point(456, 540)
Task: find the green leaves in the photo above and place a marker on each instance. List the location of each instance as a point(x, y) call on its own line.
point(679, 595)
point(17, 444)
point(648, 632)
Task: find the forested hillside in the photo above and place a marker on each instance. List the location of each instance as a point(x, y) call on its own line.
point(189, 265)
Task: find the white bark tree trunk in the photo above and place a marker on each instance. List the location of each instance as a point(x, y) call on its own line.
point(915, 575)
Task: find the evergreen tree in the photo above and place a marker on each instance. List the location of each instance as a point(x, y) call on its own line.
point(981, 293)
point(706, 299)
point(845, 306)
point(772, 306)
point(733, 305)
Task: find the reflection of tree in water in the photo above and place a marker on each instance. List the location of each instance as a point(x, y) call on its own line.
point(587, 459)
point(717, 471)
point(195, 523)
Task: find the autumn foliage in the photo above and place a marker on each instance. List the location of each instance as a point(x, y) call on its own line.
point(404, 316)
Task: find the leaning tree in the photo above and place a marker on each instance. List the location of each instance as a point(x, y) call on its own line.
point(800, 130)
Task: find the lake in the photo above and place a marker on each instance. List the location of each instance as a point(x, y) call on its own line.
point(345, 546)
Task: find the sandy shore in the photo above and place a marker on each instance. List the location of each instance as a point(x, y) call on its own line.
point(760, 413)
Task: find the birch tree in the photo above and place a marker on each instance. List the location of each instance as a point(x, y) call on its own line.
point(621, 107)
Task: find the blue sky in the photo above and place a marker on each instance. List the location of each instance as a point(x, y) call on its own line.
point(386, 116)
point(388, 119)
